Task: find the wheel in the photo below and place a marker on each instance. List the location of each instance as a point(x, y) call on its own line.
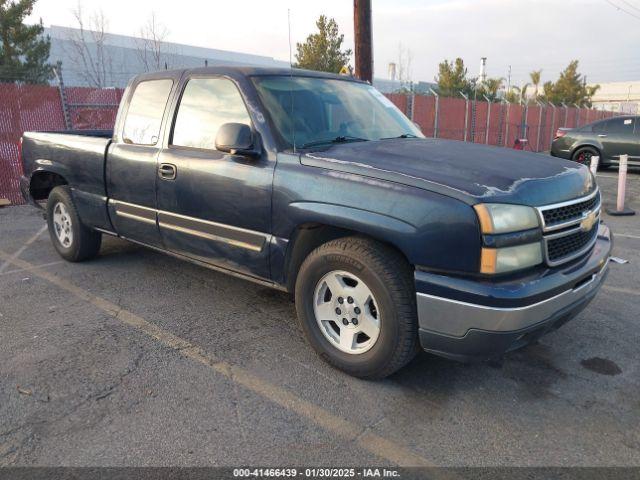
point(583, 155)
point(355, 300)
point(73, 240)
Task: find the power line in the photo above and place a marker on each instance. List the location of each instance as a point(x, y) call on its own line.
point(622, 9)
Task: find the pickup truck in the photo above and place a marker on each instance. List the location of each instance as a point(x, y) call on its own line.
point(317, 185)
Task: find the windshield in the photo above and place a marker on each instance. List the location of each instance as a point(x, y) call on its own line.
point(316, 112)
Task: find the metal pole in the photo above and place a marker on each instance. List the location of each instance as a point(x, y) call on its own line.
point(466, 114)
point(57, 72)
point(577, 114)
point(363, 39)
point(622, 184)
point(595, 159)
point(506, 133)
point(539, 126)
point(436, 113)
point(486, 133)
point(553, 123)
point(566, 113)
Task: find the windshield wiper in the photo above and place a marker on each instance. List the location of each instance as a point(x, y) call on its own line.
point(338, 139)
point(404, 135)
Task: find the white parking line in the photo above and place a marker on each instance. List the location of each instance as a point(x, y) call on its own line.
point(18, 270)
point(18, 252)
point(626, 235)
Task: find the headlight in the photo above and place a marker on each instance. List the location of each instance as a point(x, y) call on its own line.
point(507, 259)
point(504, 218)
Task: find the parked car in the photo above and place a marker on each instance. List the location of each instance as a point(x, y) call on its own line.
point(608, 139)
point(317, 185)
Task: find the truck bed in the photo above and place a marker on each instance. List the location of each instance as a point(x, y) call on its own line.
point(78, 157)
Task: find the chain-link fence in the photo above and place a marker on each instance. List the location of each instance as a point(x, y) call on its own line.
point(36, 107)
point(530, 127)
point(46, 108)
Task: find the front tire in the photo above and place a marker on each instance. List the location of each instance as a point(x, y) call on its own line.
point(355, 300)
point(73, 240)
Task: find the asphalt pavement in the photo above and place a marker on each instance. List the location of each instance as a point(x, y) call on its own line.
point(140, 359)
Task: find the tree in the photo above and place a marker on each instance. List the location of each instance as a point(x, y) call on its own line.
point(151, 46)
point(89, 54)
point(405, 58)
point(490, 88)
point(570, 88)
point(535, 80)
point(23, 50)
point(323, 50)
point(452, 79)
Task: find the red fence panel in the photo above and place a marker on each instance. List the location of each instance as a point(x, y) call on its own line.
point(424, 113)
point(23, 107)
point(400, 101)
point(39, 108)
point(451, 118)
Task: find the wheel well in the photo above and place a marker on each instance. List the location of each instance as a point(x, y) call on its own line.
point(43, 182)
point(307, 238)
point(593, 147)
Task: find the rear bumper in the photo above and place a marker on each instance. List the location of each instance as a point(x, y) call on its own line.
point(474, 320)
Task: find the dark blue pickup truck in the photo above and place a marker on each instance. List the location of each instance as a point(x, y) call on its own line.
point(317, 185)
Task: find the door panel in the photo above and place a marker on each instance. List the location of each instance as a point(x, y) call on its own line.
point(618, 138)
point(131, 174)
point(218, 207)
point(132, 163)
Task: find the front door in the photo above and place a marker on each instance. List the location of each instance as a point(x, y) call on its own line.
point(618, 139)
point(214, 206)
point(131, 164)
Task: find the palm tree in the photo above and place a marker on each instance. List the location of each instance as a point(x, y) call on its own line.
point(535, 80)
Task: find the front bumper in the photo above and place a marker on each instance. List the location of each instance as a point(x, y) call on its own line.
point(475, 320)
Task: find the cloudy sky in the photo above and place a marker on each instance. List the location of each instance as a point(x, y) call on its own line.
point(526, 34)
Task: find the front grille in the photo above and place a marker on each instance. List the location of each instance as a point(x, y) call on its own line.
point(561, 247)
point(568, 213)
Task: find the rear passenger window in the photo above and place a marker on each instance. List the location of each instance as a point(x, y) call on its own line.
point(621, 126)
point(206, 104)
point(144, 117)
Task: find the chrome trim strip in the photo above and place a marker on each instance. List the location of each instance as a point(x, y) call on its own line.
point(455, 318)
point(559, 226)
point(568, 258)
point(569, 202)
point(218, 232)
point(208, 236)
point(132, 216)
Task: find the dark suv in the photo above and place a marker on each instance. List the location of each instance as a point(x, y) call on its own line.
point(608, 138)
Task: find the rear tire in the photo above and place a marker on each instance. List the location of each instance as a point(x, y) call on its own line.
point(375, 284)
point(73, 240)
point(583, 155)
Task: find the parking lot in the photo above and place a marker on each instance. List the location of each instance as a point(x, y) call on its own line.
point(137, 358)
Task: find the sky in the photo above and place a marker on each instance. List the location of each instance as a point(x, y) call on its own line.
point(526, 34)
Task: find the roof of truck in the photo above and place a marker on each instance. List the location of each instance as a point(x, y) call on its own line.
point(249, 71)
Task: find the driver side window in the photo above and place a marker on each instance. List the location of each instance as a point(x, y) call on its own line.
point(207, 104)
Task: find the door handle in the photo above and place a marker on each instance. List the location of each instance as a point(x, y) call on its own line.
point(167, 171)
point(602, 135)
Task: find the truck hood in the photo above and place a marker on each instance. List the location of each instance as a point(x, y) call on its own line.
point(470, 172)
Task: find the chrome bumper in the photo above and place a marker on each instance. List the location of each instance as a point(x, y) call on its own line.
point(456, 318)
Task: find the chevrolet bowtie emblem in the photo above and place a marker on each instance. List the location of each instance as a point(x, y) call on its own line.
point(588, 221)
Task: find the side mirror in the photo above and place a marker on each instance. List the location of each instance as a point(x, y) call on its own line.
point(237, 139)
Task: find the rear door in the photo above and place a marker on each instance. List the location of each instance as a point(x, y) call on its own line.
point(131, 160)
point(215, 207)
point(618, 138)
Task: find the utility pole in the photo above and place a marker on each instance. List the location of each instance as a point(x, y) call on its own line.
point(363, 39)
point(509, 81)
